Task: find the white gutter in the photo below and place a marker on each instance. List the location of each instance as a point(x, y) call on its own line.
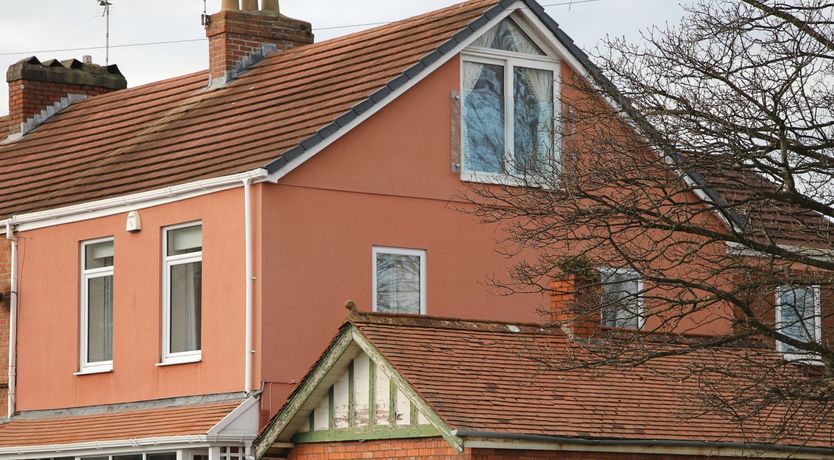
point(250, 279)
point(12, 393)
point(118, 205)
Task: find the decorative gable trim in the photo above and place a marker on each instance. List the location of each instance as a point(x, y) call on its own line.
point(295, 424)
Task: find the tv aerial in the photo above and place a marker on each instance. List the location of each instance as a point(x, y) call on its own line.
point(105, 4)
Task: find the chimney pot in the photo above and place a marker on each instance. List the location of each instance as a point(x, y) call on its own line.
point(230, 5)
point(87, 59)
point(249, 5)
point(270, 6)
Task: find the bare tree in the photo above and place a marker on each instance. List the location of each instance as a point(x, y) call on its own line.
point(692, 209)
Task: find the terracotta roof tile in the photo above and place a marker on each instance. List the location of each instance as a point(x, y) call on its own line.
point(136, 424)
point(495, 377)
point(175, 131)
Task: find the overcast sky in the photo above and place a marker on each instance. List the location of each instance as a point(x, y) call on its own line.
point(42, 27)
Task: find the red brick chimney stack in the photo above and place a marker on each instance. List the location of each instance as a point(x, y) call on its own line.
point(240, 35)
point(572, 301)
point(37, 89)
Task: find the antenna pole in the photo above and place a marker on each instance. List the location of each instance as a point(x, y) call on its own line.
point(106, 14)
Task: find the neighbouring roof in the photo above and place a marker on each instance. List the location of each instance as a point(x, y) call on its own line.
point(504, 380)
point(182, 420)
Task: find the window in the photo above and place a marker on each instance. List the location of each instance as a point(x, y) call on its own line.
point(622, 301)
point(798, 317)
point(509, 91)
point(399, 284)
point(182, 293)
point(96, 306)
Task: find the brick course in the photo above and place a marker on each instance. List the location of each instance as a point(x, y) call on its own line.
point(439, 449)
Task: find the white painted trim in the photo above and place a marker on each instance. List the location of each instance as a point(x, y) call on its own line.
point(648, 449)
point(168, 262)
point(780, 347)
point(123, 446)
point(13, 301)
point(234, 415)
point(85, 367)
point(249, 280)
point(421, 253)
point(127, 203)
point(608, 271)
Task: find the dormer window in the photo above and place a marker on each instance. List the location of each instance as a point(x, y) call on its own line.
point(509, 91)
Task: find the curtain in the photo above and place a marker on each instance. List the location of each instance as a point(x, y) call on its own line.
point(185, 307)
point(797, 309)
point(507, 36)
point(483, 117)
point(398, 283)
point(620, 300)
point(100, 319)
point(533, 123)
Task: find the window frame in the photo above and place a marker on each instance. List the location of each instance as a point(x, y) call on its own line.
point(184, 357)
point(641, 308)
point(422, 253)
point(510, 60)
point(809, 358)
point(85, 366)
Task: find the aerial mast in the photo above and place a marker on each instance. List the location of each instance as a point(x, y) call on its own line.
point(106, 13)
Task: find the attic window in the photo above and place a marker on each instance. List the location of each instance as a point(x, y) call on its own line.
point(509, 95)
point(798, 317)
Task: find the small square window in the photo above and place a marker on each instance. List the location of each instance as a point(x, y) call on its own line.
point(399, 284)
point(622, 301)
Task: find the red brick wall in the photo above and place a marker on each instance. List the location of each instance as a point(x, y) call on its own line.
point(424, 448)
point(439, 449)
point(235, 34)
point(28, 98)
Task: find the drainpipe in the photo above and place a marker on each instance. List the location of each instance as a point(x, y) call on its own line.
point(12, 318)
point(250, 279)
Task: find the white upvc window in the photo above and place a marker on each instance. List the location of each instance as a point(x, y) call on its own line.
point(798, 316)
point(399, 280)
point(96, 318)
point(510, 94)
point(182, 279)
point(622, 298)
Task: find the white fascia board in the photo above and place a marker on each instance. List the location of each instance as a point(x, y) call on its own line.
point(240, 420)
point(133, 202)
point(647, 449)
point(289, 167)
point(122, 446)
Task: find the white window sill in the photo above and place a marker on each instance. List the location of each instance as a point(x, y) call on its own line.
point(177, 360)
point(94, 371)
point(500, 179)
point(811, 360)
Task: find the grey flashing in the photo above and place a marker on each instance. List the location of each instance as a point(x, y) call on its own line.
point(254, 57)
point(49, 112)
point(466, 433)
point(139, 405)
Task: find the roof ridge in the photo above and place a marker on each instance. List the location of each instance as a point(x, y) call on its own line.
point(439, 322)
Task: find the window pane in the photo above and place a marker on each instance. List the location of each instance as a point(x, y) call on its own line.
point(128, 457)
point(797, 311)
point(533, 124)
point(185, 240)
point(98, 255)
point(186, 298)
point(508, 36)
point(165, 456)
point(483, 117)
point(620, 300)
point(100, 319)
point(398, 283)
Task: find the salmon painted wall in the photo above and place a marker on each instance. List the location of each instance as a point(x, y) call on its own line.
point(49, 309)
point(388, 182)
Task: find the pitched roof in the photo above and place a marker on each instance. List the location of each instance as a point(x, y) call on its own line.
point(500, 379)
point(176, 131)
point(196, 419)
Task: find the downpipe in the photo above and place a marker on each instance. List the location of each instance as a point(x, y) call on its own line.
point(12, 388)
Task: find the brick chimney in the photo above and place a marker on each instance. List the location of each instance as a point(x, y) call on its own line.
point(240, 37)
point(38, 90)
point(574, 305)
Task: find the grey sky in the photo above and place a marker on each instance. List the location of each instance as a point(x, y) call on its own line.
point(41, 25)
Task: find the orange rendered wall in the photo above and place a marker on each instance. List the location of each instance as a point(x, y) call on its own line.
point(48, 334)
point(387, 182)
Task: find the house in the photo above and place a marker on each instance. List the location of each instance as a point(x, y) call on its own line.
point(178, 251)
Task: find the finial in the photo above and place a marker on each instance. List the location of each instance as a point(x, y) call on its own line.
point(351, 306)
